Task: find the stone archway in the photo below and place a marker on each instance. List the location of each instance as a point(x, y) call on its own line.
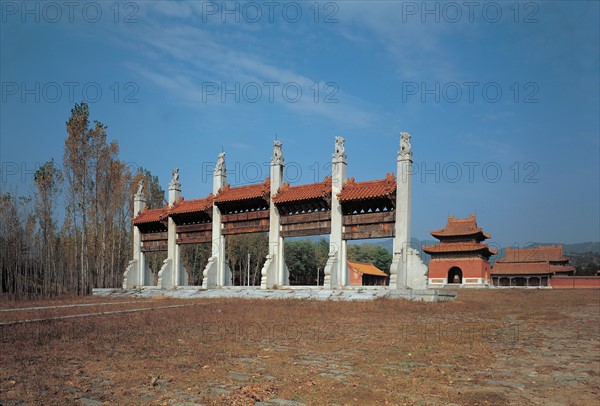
point(455, 275)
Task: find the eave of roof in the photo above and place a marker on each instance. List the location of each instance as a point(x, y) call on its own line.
point(192, 206)
point(151, 216)
point(372, 189)
point(460, 227)
point(449, 247)
point(542, 253)
point(520, 268)
point(311, 191)
point(368, 269)
point(562, 268)
point(229, 194)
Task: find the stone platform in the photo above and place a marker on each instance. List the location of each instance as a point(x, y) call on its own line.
point(296, 292)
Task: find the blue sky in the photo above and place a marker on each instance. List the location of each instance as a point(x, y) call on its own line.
point(502, 100)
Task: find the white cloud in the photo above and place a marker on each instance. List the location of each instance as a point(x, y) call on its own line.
point(182, 57)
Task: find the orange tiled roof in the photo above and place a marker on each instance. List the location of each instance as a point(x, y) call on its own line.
point(192, 206)
point(371, 189)
point(460, 227)
point(562, 268)
point(233, 194)
point(458, 247)
point(520, 268)
point(532, 260)
point(310, 191)
point(368, 269)
point(542, 253)
point(151, 216)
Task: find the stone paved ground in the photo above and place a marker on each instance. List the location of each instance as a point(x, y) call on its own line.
point(488, 347)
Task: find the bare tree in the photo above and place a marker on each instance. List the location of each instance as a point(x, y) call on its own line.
point(48, 180)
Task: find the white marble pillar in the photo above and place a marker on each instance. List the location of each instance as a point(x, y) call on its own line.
point(172, 273)
point(139, 204)
point(135, 275)
point(217, 271)
point(274, 271)
point(405, 257)
point(336, 269)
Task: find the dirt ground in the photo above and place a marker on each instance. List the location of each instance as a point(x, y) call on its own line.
point(518, 347)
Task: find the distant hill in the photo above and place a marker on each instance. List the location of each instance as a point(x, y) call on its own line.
point(582, 247)
point(576, 250)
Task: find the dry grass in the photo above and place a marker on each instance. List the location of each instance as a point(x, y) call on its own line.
point(487, 347)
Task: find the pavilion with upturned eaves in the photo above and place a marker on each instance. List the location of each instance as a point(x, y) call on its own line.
point(461, 258)
point(340, 207)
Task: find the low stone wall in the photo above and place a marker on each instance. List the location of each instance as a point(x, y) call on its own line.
point(193, 292)
point(575, 282)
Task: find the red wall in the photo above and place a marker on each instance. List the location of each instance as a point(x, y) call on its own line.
point(355, 277)
point(575, 282)
point(471, 267)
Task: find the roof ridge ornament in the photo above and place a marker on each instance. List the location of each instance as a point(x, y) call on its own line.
point(223, 189)
point(390, 178)
point(266, 189)
point(282, 189)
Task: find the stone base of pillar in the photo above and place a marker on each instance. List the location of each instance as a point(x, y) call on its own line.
point(408, 271)
point(131, 274)
point(209, 276)
point(417, 270)
point(267, 273)
point(164, 275)
point(397, 279)
point(330, 281)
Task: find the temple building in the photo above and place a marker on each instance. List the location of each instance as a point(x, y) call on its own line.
point(460, 259)
point(362, 274)
point(531, 266)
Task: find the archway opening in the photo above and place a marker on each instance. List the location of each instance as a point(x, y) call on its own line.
point(372, 258)
point(455, 275)
point(246, 255)
point(154, 261)
point(194, 258)
point(305, 258)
